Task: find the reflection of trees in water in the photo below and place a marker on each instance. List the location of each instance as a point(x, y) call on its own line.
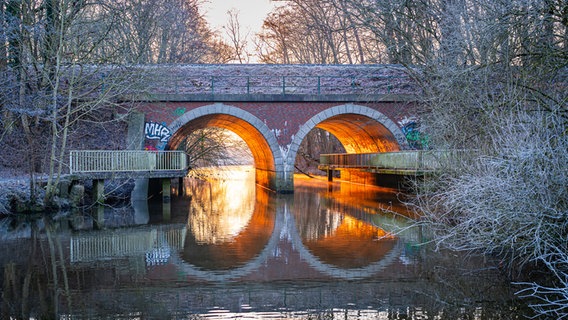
point(35, 279)
point(220, 209)
point(242, 233)
point(315, 221)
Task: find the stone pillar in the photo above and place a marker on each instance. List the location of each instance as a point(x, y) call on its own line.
point(135, 135)
point(98, 212)
point(135, 141)
point(166, 211)
point(99, 191)
point(140, 191)
point(166, 190)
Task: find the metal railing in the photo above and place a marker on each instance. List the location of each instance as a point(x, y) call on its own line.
point(88, 161)
point(88, 247)
point(400, 160)
point(305, 85)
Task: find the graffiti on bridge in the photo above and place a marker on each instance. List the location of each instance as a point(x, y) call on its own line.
point(411, 128)
point(157, 131)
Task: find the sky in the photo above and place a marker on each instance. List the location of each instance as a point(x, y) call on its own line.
point(251, 12)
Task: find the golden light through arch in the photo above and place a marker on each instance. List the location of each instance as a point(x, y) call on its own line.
point(360, 134)
point(262, 154)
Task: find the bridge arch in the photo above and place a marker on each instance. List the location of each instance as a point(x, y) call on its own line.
point(360, 129)
point(260, 139)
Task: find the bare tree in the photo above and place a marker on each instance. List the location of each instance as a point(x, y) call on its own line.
point(161, 31)
point(51, 81)
point(238, 38)
point(311, 32)
point(215, 147)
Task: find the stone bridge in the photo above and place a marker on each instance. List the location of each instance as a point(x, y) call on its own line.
point(273, 107)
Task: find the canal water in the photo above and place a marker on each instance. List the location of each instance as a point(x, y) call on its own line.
point(226, 248)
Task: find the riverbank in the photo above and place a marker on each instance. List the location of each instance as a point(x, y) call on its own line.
point(16, 194)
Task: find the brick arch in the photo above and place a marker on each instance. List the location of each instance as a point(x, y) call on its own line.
point(360, 129)
point(259, 138)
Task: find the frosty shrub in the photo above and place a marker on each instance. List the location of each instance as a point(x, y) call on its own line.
point(511, 200)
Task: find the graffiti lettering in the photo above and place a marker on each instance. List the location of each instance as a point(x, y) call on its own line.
point(157, 131)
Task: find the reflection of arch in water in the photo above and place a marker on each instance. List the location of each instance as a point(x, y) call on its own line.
point(216, 214)
point(252, 265)
point(218, 252)
point(334, 271)
point(285, 224)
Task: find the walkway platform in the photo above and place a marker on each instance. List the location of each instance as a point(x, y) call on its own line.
point(411, 162)
point(101, 165)
point(110, 164)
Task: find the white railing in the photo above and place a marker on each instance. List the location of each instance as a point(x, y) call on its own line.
point(86, 247)
point(86, 161)
point(402, 160)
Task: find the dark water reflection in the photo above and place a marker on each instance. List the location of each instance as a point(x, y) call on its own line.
point(234, 250)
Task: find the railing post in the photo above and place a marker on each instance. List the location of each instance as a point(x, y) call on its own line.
point(319, 85)
point(71, 162)
point(248, 84)
point(212, 84)
point(283, 84)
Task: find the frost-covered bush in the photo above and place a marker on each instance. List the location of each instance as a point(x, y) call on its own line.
point(511, 199)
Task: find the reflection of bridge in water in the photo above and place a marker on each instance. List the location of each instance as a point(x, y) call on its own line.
point(151, 241)
point(165, 244)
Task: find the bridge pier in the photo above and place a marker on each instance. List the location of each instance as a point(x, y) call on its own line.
point(98, 213)
point(330, 175)
point(181, 186)
point(99, 191)
point(166, 190)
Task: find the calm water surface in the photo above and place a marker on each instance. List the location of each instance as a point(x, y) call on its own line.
point(226, 248)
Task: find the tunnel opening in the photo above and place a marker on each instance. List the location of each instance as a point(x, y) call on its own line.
point(344, 133)
point(199, 134)
point(216, 147)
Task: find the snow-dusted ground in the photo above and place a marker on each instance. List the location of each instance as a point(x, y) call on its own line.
point(13, 187)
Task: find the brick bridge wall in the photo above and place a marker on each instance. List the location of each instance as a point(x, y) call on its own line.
point(274, 107)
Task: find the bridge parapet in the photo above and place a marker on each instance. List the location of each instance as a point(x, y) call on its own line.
point(279, 82)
